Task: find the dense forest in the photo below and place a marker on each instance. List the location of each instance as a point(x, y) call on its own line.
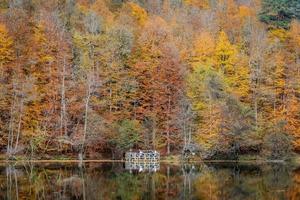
point(100, 77)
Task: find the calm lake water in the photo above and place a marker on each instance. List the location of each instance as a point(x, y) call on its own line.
point(162, 181)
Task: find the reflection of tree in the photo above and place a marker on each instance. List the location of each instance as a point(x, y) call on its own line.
point(110, 181)
point(188, 173)
point(206, 185)
point(276, 178)
point(128, 186)
point(235, 181)
point(12, 191)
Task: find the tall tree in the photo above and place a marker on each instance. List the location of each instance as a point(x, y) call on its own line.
point(6, 71)
point(236, 73)
point(158, 73)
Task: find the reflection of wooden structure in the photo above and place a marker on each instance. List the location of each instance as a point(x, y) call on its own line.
point(142, 166)
point(145, 156)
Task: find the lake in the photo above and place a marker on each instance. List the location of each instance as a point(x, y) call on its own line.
point(270, 181)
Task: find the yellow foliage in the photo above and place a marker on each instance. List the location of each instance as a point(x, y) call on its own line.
point(245, 11)
point(196, 87)
point(233, 66)
point(138, 12)
point(242, 81)
point(202, 4)
point(208, 131)
point(295, 32)
point(204, 49)
point(278, 34)
point(84, 42)
point(225, 54)
point(204, 106)
point(279, 73)
point(40, 40)
point(6, 52)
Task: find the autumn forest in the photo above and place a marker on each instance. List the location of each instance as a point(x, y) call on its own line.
point(99, 77)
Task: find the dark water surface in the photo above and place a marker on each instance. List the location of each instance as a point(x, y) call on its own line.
point(116, 181)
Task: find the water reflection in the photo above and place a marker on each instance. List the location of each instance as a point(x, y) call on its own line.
point(117, 181)
point(142, 166)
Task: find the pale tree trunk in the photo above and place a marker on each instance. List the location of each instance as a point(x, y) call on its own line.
point(257, 74)
point(167, 183)
point(210, 115)
point(86, 114)
point(11, 127)
point(256, 111)
point(19, 126)
point(190, 135)
point(153, 133)
point(87, 101)
point(63, 124)
point(184, 132)
point(110, 95)
point(12, 191)
point(83, 183)
point(185, 123)
point(110, 99)
point(168, 131)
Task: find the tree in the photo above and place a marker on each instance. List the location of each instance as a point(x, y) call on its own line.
point(86, 45)
point(257, 51)
point(118, 83)
point(236, 73)
point(225, 57)
point(229, 19)
point(203, 50)
point(206, 91)
point(277, 144)
point(157, 70)
point(38, 74)
point(6, 52)
point(6, 97)
point(237, 129)
point(138, 13)
point(6, 56)
point(279, 13)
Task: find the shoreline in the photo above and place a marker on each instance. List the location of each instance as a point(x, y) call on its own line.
point(160, 161)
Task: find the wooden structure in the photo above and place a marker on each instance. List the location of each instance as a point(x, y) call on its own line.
point(145, 156)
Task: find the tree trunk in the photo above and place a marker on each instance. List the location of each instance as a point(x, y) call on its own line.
point(86, 116)
point(153, 133)
point(63, 127)
point(168, 131)
point(19, 126)
point(11, 128)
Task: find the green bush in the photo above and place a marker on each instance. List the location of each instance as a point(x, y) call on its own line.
point(128, 134)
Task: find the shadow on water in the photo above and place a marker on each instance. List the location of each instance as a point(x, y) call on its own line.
point(117, 181)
